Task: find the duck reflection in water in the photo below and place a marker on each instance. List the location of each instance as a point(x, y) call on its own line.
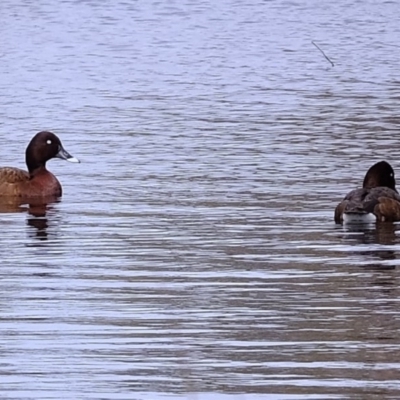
point(37, 213)
point(376, 242)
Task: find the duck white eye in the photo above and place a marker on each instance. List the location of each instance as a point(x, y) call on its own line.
point(49, 141)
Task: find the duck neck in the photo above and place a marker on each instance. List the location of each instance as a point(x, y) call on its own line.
point(33, 165)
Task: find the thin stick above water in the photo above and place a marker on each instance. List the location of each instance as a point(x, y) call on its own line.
point(315, 44)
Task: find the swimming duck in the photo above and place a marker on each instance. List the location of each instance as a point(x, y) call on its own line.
point(37, 181)
point(377, 201)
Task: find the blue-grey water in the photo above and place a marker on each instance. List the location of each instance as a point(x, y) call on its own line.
point(194, 255)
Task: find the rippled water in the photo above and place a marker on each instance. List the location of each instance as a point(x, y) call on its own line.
point(194, 254)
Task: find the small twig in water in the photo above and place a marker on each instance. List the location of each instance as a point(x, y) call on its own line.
point(315, 44)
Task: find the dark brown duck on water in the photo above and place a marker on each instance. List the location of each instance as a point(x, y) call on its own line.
point(37, 182)
point(378, 199)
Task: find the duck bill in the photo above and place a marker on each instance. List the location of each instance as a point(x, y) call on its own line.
point(64, 155)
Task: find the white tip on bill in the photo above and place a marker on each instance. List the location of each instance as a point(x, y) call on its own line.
point(73, 159)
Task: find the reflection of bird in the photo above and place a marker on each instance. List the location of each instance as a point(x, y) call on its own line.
point(40, 225)
point(38, 181)
point(382, 234)
point(374, 243)
point(38, 219)
point(35, 206)
point(377, 200)
point(37, 213)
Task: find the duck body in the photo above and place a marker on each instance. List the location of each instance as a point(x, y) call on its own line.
point(369, 205)
point(37, 182)
point(377, 201)
point(15, 182)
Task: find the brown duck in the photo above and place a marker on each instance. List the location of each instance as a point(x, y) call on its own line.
point(377, 201)
point(37, 181)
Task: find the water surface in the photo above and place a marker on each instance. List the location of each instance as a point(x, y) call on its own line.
point(193, 254)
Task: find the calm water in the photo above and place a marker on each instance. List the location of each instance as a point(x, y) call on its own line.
point(194, 254)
